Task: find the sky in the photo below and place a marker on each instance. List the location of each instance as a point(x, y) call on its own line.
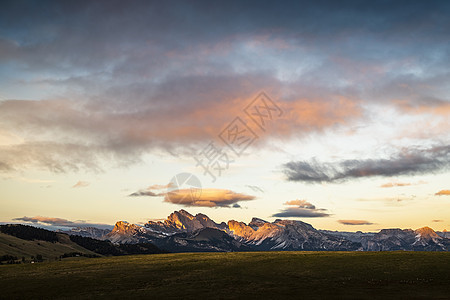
point(333, 113)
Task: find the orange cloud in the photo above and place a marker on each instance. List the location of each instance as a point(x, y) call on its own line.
point(206, 197)
point(126, 136)
point(316, 114)
point(393, 184)
point(434, 107)
point(159, 186)
point(355, 222)
point(443, 193)
point(398, 184)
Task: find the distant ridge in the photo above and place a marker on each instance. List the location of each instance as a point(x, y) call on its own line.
point(180, 232)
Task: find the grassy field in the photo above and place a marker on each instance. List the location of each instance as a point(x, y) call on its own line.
point(263, 275)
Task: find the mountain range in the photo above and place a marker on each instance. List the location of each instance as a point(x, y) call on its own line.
point(183, 232)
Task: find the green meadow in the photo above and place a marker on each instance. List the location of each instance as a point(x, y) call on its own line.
point(254, 275)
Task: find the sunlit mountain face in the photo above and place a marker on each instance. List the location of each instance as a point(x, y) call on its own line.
point(333, 115)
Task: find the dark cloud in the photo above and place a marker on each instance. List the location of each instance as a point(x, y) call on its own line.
point(63, 24)
point(301, 209)
point(146, 193)
point(297, 212)
point(408, 162)
point(137, 40)
point(58, 222)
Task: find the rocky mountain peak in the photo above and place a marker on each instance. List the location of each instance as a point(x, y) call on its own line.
point(427, 232)
point(183, 220)
point(180, 215)
point(395, 231)
point(206, 221)
point(256, 223)
point(125, 227)
point(184, 213)
point(293, 223)
point(240, 229)
point(426, 235)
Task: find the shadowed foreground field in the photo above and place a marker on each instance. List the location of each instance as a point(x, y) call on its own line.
point(379, 275)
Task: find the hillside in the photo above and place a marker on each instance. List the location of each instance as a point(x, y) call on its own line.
point(27, 243)
point(242, 275)
point(11, 245)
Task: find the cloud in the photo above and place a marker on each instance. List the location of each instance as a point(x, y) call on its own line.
point(59, 157)
point(58, 222)
point(394, 184)
point(160, 186)
point(206, 197)
point(408, 162)
point(428, 105)
point(443, 193)
point(300, 204)
point(5, 167)
point(142, 83)
point(392, 200)
point(355, 222)
point(400, 184)
point(302, 209)
point(81, 136)
point(437, 221)
point(296, 212)
point(80, 184)
point(149, 191)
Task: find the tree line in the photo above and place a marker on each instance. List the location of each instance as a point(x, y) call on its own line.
point(29, 233)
